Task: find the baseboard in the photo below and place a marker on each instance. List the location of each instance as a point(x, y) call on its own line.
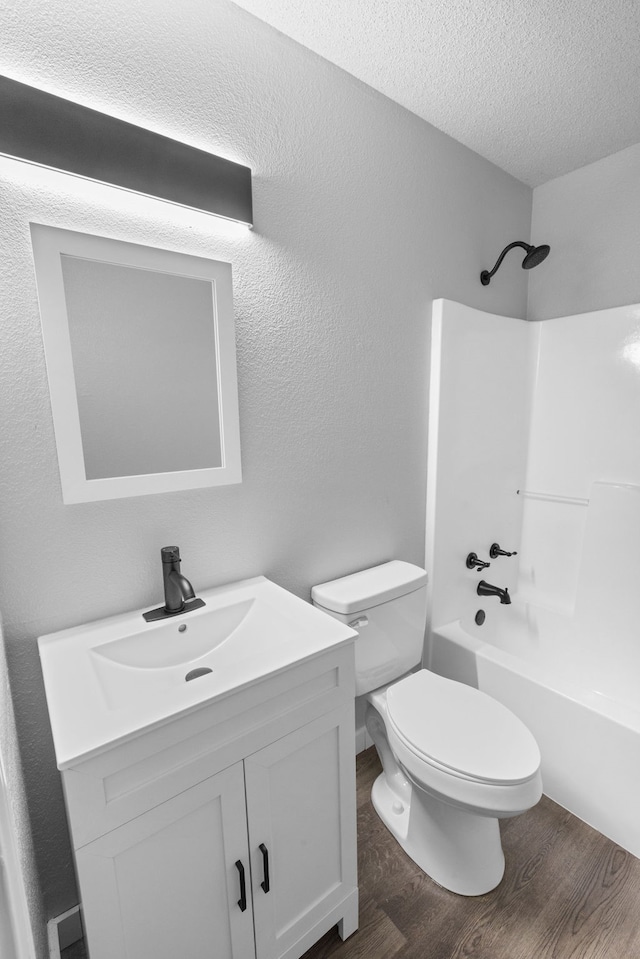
point(363, 739)
point(64, 930)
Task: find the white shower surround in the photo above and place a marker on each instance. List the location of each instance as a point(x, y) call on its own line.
point(563, 656)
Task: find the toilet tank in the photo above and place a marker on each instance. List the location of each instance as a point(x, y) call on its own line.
point(387, 606)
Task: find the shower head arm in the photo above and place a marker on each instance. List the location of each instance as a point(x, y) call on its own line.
point(486, 275)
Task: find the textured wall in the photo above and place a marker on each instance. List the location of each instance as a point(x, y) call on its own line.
point(363, 214)
point(18, 898)
point(590, 219)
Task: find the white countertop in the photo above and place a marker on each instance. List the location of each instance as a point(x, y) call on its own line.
point(96, 701)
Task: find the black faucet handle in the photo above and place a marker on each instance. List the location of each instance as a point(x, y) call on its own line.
point(170, 554)
point(473, 562)
point(495, 551)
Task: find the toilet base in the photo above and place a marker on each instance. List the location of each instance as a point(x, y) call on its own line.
point(459, 850)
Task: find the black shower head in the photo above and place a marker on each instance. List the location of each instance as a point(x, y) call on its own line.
point(535, 255)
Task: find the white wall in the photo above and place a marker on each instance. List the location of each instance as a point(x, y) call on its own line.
point(363, 213)
point(590, 218)
point(20, 906)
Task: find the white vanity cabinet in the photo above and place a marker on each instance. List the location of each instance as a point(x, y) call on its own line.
point(164, 883)
point(228, 831)
point(295, 805)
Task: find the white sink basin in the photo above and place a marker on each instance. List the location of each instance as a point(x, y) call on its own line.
point(108, 680)
point(175, 643)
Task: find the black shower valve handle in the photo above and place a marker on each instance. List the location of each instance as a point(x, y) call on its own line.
point(495, 551)
point(474, 563)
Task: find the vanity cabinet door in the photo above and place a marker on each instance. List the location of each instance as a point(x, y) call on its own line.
point(166, 884)
point(302, 830)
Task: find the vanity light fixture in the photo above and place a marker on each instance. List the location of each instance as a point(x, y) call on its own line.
point(51, 131)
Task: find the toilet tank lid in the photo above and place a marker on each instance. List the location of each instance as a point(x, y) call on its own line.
point(369, 587)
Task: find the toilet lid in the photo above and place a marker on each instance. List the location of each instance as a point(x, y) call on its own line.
point(461, 729)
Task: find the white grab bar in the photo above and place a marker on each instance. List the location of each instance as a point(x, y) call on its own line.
point(553, 498)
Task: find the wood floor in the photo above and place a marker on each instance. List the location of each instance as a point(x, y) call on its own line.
point(568, 893)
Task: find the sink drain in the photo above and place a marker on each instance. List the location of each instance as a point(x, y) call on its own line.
point(194, 673)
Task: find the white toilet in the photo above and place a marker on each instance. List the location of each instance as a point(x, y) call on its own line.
point(454, 759)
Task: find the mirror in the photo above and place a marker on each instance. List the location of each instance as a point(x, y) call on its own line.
point(140, 353)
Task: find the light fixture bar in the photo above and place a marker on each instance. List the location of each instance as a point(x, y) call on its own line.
point(53, 132)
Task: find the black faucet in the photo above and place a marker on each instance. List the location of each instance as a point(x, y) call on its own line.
point(474, 563)
point(486, 589)
point(495, 551)
point(177, 587)
point(179, 596)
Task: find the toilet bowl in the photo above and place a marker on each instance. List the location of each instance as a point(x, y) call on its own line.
point(454, 760)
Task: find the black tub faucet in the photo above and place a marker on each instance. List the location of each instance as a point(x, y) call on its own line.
point(486, 589)
point(179, 596)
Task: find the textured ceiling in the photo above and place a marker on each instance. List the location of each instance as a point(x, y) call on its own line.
point(539, 88)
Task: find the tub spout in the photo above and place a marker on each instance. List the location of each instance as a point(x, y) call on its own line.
point(486, 589)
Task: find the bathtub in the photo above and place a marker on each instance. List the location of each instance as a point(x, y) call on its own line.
point(584, 714)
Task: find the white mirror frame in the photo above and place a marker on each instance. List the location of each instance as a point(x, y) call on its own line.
point(50, 244)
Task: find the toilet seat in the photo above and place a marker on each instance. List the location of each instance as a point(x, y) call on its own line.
point(460, 731)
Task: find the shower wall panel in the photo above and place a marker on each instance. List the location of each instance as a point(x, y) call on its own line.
point(584, 430)
point(479, 412)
